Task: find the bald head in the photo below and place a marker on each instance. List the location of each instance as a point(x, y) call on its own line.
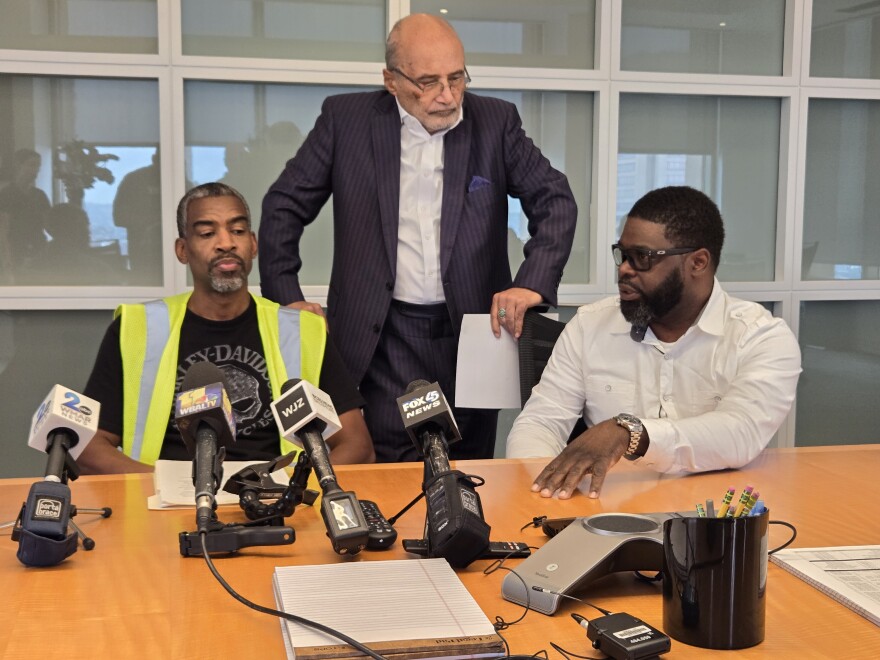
point(411, 32)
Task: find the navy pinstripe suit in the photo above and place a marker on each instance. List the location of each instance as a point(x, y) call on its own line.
point(353, 152)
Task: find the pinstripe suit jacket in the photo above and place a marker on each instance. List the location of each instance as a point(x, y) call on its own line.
point(353, 152)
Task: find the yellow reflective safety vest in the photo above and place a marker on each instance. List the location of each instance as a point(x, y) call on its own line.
point(149, 339)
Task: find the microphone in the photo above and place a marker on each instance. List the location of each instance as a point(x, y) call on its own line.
point(424, 408)
point(204, 416)
point(455, 527)
point(62, 426)
point(306, 416)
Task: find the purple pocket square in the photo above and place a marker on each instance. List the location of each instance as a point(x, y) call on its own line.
point(478, 182)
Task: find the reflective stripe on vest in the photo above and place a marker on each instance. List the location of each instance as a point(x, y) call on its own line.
point(149, 342)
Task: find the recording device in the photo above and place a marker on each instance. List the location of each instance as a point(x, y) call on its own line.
point(584, 551)
point(303, 413)
point(495, 549)
point(624, 637)
point(204, 416)
point(62, 426)
point(454, 525)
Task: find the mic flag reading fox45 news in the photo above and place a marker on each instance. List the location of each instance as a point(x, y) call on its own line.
point(204, 416)
point(455, 527)
point(63, 425)
point(306, 416)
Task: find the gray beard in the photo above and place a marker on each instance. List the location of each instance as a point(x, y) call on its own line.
point(222, 284)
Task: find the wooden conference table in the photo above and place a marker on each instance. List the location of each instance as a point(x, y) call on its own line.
point(134, 596)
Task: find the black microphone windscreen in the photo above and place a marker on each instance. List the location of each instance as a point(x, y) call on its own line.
point(201, 374)
point(293, 382)
point(416, 384)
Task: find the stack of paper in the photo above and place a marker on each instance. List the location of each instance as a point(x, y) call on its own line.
point(400, 609)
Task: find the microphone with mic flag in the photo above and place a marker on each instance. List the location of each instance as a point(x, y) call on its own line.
point(306, 416)
point(204, 416)
point(62, 427)
point(454, 525)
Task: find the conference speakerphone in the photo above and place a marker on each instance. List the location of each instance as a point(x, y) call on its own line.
point(587, 549)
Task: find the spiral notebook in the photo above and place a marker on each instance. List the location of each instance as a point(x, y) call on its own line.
point(849, 574)
point(406, 608)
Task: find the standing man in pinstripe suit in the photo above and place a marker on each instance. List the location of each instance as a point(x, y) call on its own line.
point(420, 175)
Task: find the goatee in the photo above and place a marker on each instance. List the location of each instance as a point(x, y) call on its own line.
point(653, 304)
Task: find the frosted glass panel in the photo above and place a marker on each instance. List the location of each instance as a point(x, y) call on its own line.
point(726, 146)
point(38, 350)
point(842, 191)
point(839, 388)
point(346, 30)
point(243, 134)
point(711, 36)
point(843, 43)
point(94, 26)
point(79, 183)
point(523, 33)
point(561, 124)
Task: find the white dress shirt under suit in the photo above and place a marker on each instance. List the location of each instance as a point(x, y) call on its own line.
point(711, 400)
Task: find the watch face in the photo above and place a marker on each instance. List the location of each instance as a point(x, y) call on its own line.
point(626, 419)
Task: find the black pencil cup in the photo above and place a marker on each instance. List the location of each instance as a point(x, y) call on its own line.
point(714, 580)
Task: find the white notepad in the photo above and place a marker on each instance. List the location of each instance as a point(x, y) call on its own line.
point(377, 602)
point(849, 574)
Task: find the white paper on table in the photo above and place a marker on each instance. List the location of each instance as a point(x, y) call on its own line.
point(172, 482)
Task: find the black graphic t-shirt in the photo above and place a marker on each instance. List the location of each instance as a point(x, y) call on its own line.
point(234, 346)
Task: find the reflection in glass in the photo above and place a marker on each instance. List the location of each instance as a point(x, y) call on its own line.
point(553, 34)
point(842, 191)
point(561, 125)
point(842, 41)
point(73, 209)
point(716, 36)
point(343, 30)
point(108, 26)
point(243, 134)
point(725, 146)
point(839, 389)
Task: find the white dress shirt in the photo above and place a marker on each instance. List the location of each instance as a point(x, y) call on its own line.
point(711, 400)
point(418, 278)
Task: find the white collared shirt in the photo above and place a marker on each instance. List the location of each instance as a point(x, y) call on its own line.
point(418, 278)
point(711, 400)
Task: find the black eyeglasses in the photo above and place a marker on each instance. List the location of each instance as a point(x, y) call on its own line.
point(641, 259)
point(456, 82)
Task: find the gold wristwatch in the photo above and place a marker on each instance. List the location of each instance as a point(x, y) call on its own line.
point(634, 425)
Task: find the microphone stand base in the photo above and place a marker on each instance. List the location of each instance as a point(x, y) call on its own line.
point(229, 539)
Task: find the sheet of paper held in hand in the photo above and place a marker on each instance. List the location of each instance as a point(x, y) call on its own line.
point(379, 601)
point(173, 485)
point(487, 373)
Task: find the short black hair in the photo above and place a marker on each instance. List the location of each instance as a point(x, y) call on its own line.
point(212, 189)
point(689, 218)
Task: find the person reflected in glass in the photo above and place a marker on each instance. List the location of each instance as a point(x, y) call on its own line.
point(23, 208)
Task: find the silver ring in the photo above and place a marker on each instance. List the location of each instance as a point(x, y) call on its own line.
point(502, 313)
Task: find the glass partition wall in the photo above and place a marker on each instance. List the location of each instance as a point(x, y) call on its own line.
point(110, 110)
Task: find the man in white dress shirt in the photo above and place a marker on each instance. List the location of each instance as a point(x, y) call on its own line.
point(673, 373)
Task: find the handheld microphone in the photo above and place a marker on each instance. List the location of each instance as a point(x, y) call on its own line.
point(306, 416)
point(455, 527)
point(204, 416)
point(62, 426)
